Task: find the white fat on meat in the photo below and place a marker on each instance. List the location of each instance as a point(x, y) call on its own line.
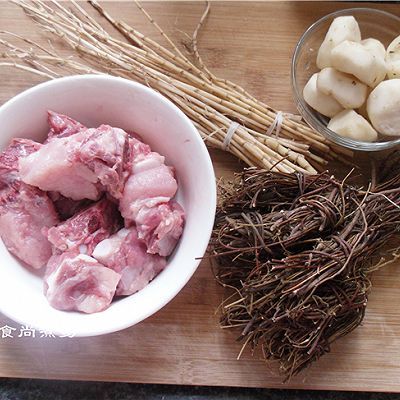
point(106, 248)
point(144, 162)
point(51, 169)
point(78, 282)
point(126, 254)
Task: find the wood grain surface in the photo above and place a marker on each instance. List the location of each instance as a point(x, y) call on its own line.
point(251, 44)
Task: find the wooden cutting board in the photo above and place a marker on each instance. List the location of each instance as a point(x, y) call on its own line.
point(250, 43)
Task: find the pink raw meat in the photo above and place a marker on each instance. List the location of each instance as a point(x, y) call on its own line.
point(106, 152)
point(137, 148)
point(150, 179)
point(78, 282)
point(9, 159)
point(51, 168)
point(146, 202)
point(126, 254)
point(155, 182)
point(24, 212)
point(86, 228)
point(82, 165)
point(62, 126)
point(160, 227)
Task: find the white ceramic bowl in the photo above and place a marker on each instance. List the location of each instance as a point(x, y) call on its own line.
point(93, 100)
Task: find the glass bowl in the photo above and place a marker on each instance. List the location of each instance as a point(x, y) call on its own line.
point(373, 23)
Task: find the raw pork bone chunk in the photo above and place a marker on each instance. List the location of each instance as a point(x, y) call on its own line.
point(24, 210)
point(62, 126)
point(106, 152)
point(126, 254)
point(146, 201)
point(9, 159)
point(78, 282)
point(160, 227)
point(86, 228)
point(82, 165)
point(53, 168)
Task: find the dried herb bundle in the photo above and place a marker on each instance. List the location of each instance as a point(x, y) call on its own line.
point(296, 252)
point(226, 115)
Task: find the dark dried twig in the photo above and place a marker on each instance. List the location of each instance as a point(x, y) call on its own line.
point(298, 250)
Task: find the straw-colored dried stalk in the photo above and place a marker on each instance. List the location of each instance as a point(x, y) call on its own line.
point(211, 103)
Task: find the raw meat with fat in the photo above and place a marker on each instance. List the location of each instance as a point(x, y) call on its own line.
point(88, 261)
point(126, 254)
point(24, 210)
point(82, 165)
point(150, 178)
point(78, 282)
point(9, 158)
point(105, 151)
point(146, 202)
point(136, 148)
point(62, 126)
point(53, 168)
point(86, 228)
point(160, 227)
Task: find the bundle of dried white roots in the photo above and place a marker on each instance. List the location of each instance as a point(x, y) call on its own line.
point(226, 115)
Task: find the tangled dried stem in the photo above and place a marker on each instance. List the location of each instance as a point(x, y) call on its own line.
point(297, 252)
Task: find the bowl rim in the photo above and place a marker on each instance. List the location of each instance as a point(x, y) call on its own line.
point(201, 243)
point(304, 109)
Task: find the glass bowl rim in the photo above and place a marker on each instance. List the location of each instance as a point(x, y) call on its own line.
point(298, 97)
